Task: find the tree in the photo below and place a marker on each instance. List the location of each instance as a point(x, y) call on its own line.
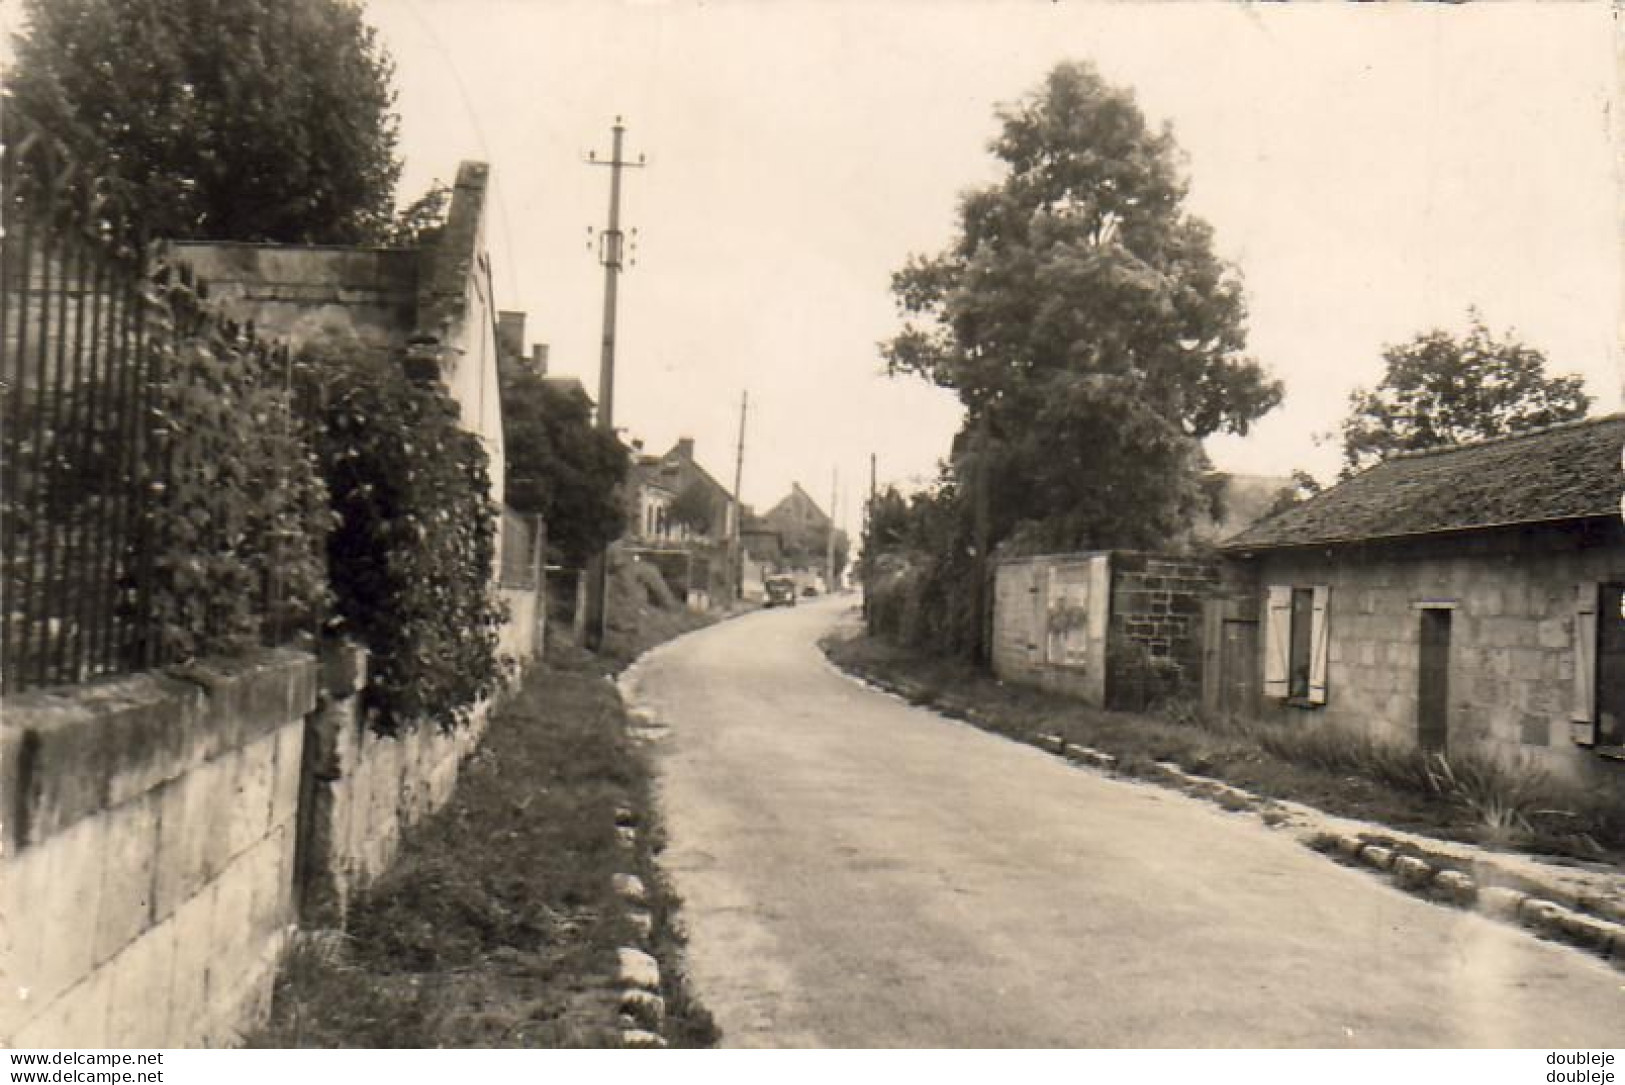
point(694, 508)
point(1439, 390)
point(1303, 487)
point(560, 466)
point(1084, 321)
point(253, 120)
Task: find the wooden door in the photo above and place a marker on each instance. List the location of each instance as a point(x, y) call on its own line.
point(1238, 664)
point(1433, 681)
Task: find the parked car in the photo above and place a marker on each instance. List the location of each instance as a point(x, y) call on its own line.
point(781, 593)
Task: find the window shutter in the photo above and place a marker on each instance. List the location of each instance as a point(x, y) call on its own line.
point(1585, 662)
point(1277, 639)
point(1319, 644)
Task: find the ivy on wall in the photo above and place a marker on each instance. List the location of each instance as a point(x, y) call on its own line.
point(411, 556)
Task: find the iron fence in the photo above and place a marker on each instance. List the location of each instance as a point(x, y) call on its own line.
point(84, 455)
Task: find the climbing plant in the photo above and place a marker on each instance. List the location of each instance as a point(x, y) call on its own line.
point(411, 555)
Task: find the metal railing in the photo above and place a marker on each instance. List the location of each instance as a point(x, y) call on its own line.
point(84, 453)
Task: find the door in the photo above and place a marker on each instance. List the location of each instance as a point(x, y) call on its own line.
point(1238, 664)
point(1610, 676)
point(1433, 681)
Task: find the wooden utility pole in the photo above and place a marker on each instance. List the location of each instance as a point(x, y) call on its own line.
point(610, 254)
point(736, 564)
point(829, 552)
point(984, 532)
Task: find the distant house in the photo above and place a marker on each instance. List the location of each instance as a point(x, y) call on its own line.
point(692, 556)
point(648, 495)
point(1462, 597)
point(655, 485)
point(802, 530)
point(511, 348)
point(796, 513)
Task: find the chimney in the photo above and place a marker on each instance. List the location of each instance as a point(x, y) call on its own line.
point(538, 358)
point(685, 448)
point(511, 334)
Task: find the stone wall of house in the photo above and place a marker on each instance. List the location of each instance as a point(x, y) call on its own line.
point(1512, 655)
point(147, 887)
point(1114, 629)
point(1155, 647)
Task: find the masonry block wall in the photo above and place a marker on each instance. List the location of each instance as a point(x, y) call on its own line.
point(149, 828)
point(1156, 626)
point(1511, 658)
point(364, 790)
point(1114, 628)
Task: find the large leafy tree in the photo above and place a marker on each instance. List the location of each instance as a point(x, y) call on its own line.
point(559, 465)
point(694, 508)
point(259, 120)
point(1085, 322)
point(1438, 389)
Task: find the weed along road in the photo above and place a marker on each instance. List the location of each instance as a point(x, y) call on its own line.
point(857, 872)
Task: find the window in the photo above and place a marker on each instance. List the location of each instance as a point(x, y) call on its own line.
point(1296, 642)
point(1599, 665)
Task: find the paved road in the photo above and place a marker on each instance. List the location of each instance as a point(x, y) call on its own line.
point(860, 873)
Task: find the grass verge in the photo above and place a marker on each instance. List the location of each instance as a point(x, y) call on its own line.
point(1465, 797)
point(497, 925)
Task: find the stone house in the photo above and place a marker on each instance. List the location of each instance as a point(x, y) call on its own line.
point(1461, 597)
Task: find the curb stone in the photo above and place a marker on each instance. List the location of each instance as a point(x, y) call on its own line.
point(1545, 918)
point(630, 888)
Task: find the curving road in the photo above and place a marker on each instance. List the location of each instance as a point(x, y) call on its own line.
point(857, 872)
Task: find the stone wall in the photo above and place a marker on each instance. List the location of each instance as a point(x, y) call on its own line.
point(362, 790)
point(1511, 662)
point(1112, 628)
point(149, 836)
point(1156, 626)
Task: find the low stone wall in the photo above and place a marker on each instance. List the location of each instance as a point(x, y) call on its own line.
point(1118, 629)
point(362, 790)
point(1155, 632)
point(524, 635)
point(149, 834)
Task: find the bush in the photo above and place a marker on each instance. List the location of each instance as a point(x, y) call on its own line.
point(416, 540)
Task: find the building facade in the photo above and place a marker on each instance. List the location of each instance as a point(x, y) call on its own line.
point(1463, 597)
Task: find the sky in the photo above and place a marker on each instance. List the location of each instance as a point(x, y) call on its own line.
point(1371, 171)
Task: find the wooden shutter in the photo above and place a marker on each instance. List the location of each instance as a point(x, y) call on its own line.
point(1319, 644)
point(1277, 640)
point(1585, 663)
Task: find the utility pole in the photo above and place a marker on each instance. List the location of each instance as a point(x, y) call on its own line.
point(610, 254)
point(868, 539)
point(736, 555)
point(829, 552)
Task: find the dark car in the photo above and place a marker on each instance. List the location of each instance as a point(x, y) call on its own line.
point(781, 593)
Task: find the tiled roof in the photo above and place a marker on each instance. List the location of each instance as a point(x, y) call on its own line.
point(1566, 472)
